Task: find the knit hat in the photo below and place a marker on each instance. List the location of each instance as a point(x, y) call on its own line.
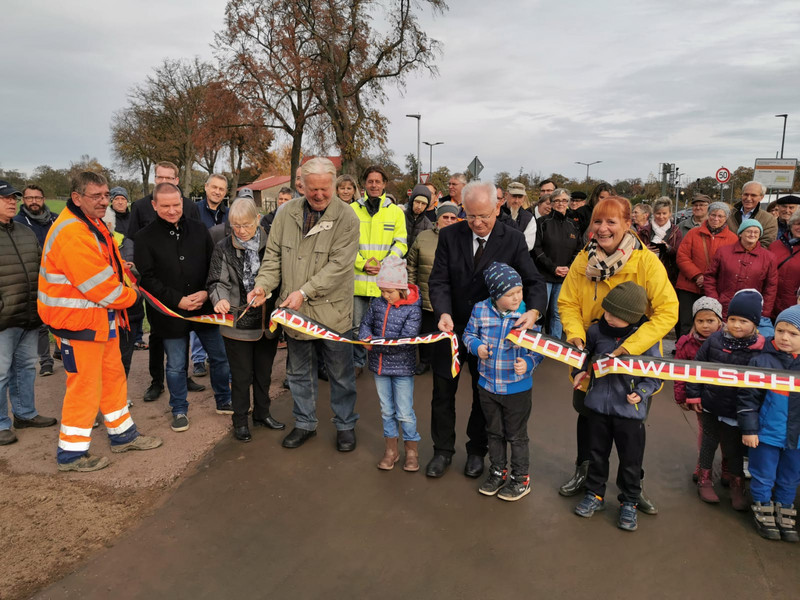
point(393, 274)
point(421, 190)
point(791, 315)
point(747, 304)
point(723, 206)
point(119, 191)
point(500, 278)
point(707, 303)
point(627, 301)
point(749, 223)
point(447, 207)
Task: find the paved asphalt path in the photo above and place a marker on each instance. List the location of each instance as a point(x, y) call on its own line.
point(260, 521)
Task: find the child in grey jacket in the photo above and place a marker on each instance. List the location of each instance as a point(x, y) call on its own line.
point(619, 406)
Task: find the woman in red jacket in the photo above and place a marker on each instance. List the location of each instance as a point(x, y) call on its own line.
point(786, 250)
point(694, 256)
point(743, 265)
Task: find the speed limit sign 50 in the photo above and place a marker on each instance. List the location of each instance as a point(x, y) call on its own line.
point(723, 175)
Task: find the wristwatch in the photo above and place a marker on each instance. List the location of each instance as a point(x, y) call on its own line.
point(305, 296)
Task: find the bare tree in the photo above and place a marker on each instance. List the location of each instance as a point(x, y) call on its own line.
point(135, 141)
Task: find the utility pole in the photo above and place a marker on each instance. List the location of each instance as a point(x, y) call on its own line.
point(418, 117)
point(587, 165)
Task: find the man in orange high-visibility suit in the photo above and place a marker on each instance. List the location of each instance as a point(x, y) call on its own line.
point(82, 298)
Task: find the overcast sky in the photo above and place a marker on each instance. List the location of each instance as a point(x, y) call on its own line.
point(530, 84)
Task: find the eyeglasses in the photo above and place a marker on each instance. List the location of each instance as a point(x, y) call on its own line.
point(562, 201)
point(239, 227)
point(165, 177)
point(97, 197)
point(33, 197)
point(481, 217)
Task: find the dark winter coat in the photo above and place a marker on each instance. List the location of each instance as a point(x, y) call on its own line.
point(209, 217)
point(558, 242)
point(399, 320)
point(686, 349)
point(225, 283)
point(787, 262)
point(415, 224)
point(122, 221)
point(608, 395)
point(173, 261)
point(39, 227)
point(20, 255)
point(266, 220)
point(773, 416)
point(719, 400)
point(733, 268)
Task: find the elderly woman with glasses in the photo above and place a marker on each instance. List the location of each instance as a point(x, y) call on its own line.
point(250, 346)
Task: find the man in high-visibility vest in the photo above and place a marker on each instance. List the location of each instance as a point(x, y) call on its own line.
point(83, 297)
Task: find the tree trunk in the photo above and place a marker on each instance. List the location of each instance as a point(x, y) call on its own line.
point(297, 140)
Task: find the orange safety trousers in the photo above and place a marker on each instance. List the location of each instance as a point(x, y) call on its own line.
point(95, 381)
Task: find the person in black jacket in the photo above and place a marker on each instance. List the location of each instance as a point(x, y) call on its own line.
point(456, 284)
point(19, 320)
point(558, 241)
point(173, 255)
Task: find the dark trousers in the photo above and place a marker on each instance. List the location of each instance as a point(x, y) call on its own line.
point(685, 320)
point(43, 347)
point(428, 325)
point(628, 435)
point(507, 424)
point(715, 432)
point(582, 428)
point(156, 359)
point(127, 338)
point(250, 363)
point(443, 404)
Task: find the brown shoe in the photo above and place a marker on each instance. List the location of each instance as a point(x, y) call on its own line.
point(705, 487)
point(390, 455)
point(411, 463)
point(738, 494)
point(85, 464)
point(37, 421)
point(140, 442)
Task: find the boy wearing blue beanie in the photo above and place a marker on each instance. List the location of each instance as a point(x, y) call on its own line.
point(770, 424)
point(505, 382)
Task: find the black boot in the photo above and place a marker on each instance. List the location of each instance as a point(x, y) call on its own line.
point(574, 485)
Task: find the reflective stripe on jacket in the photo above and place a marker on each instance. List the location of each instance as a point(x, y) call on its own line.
point(80, 278)
point(380, 235)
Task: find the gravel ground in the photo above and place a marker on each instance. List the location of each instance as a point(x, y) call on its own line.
point(50, 521)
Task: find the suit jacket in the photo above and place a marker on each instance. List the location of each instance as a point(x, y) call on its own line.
point(456, 285)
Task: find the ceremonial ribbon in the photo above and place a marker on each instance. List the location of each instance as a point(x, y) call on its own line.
point(670, 369)
point(212, 319)
point(297, 322)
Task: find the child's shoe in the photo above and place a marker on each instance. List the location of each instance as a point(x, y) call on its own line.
point(390, 455)
point(764, 516)
point(705, 487)
point(784, 519)
point(738, 494)
point(590, 505)
point(494, 482)
point(518, 486)
point(411, 463)
point(627, 516)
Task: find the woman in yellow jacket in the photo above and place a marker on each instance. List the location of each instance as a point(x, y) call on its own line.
point(613, 255)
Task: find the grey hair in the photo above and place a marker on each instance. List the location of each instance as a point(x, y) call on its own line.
point(217, 176)
point(723, 206)
point(662, 202)
point(462, 178)
point(794, 218)
point(318, 166)
point(243, 209)
point(475, 188)
point(559, 192)
point(645, 207)
point(759, 184)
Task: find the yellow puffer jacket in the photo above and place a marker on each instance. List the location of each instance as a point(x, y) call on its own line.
point(579, 302)
point(381, 235)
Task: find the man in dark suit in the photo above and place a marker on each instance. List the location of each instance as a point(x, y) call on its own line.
point(456, 284)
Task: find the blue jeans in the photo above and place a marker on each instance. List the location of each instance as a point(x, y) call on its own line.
point(176, 371)
point(18, 355)
point(198, 352)
point(360, 306)
point(301, 371)
point(554, 326)
point(396, 394)
point(773, 467)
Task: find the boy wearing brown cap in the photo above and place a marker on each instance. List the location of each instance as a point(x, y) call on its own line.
point(619, 406)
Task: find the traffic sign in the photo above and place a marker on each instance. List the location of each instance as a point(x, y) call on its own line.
point(424, 177)
point(475, 167)
point(723, 175)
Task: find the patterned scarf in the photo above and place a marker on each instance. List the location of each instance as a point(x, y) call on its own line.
point(733, 343)
point(601, 266)
point(251, 260)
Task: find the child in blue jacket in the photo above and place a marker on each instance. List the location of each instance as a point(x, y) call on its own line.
point(770, 424)
point(396, 313)
point(504, 385)
point(618, 405)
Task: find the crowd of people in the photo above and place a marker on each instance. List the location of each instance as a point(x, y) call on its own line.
point(603, 275)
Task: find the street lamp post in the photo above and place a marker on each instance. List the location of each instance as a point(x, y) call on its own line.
point(587, 165)
point(430, 160)
point(418, 117)
point(783, 137)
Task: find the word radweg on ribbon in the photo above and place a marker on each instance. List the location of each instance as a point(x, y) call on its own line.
point(297, 322)
point(670, 369)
